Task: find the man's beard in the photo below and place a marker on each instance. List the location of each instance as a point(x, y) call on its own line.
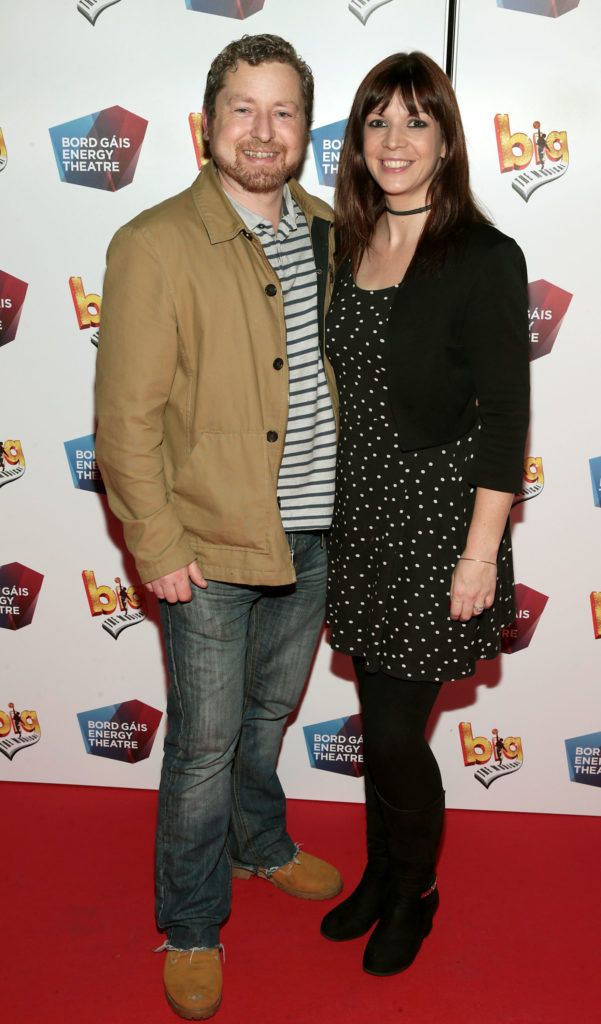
point(258, 179)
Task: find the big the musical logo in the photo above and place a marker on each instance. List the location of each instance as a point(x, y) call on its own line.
point(12, 461)
point(363, 9)
point(538, 158)
point(3, 153)
point(87, 307)
point(494, 757)
point(120, 607)
point(18, 729)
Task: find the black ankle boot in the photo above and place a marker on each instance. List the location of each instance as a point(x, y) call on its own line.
point(359, 911)
point(412, 838)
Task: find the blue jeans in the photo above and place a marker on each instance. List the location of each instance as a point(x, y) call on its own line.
point(238, 660)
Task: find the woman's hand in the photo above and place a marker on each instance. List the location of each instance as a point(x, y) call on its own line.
point(473, 587)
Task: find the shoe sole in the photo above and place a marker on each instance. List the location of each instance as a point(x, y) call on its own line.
point(347, 938)
point(397, 970)
point(182, 1011)
point(245, 874)
point(387, 974)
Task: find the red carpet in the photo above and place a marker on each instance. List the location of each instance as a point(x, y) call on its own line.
point(516, 940)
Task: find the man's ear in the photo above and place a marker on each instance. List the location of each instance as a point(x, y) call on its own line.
point(205, 125)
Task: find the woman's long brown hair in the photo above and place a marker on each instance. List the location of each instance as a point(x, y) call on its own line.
point(421, 85)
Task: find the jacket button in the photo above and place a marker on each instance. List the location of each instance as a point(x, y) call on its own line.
point(272, 435)
point(278, 363)
point(270, 289)
point(247, 234)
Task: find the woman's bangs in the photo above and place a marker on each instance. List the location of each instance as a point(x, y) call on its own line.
point(409, 83)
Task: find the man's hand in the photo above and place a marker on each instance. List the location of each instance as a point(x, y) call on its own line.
point(175, 586)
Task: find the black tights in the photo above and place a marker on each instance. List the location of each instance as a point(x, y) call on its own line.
point(397, 755)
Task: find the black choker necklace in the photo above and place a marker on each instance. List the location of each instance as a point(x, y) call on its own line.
point(407, 213)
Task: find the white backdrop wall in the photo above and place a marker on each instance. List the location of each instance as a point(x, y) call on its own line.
point(82, 683)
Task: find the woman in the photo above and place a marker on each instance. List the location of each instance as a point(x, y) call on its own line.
point(428, 336)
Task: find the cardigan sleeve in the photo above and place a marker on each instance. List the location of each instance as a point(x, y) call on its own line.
point(496, 339)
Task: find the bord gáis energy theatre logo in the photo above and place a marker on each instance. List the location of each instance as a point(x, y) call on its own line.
point(535, 160)
point(544, 8)
point(530, 605)
point(584, 758)
point(494, 758)
point(99, 150)
point(240, 9)
point(18, 730)
point(81, 456)
point(327, 145)
point(123, 732)
point(12, 297)
point(336, 746)
point(547, 307)
point(595, 471)
point(19, 591)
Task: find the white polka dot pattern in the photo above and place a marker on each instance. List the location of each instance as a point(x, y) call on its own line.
point(400, 518)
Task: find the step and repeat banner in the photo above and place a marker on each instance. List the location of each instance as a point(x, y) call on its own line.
point(99, 119)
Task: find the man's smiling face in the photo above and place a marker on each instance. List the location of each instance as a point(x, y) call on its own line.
point(259, 133)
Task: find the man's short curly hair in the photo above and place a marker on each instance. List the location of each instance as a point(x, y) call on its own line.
point(259, 49)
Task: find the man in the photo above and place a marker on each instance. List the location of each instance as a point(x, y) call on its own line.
point(216, 441)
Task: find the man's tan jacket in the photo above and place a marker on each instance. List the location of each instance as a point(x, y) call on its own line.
point(192, 388)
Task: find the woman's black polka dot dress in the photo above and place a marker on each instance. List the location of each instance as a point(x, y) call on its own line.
point(400, 519)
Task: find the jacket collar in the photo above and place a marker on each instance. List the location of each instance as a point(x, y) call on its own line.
point(221, 220)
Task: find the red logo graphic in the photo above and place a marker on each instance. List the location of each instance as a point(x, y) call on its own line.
point(18, 729)
point(548, 305)
point(123, 606)
point(124, 732)
point(87, 307)
point(12, 297)
point(506, 755)
point(19, 591)
point(530, 605)
point(99, 150)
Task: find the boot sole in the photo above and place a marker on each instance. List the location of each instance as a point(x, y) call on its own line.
point(387, 974)
point(245, 874)
point(347, 938)
point(182, 1011)
point(398, 970)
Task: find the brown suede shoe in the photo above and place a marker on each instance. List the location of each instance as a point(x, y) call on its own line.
point(305, 876)
point(193, 982)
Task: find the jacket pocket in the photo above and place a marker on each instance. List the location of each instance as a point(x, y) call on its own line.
point(223, 492)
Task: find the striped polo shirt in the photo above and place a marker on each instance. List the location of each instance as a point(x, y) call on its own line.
point(306, 478)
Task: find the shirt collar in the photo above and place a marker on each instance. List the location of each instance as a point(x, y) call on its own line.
point(253, 221)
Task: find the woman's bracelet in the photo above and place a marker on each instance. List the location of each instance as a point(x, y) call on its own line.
point(464, 558)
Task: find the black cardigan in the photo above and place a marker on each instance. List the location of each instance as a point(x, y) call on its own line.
point(458, 351)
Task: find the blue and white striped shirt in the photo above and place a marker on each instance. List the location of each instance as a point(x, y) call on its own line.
point(307, 472)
